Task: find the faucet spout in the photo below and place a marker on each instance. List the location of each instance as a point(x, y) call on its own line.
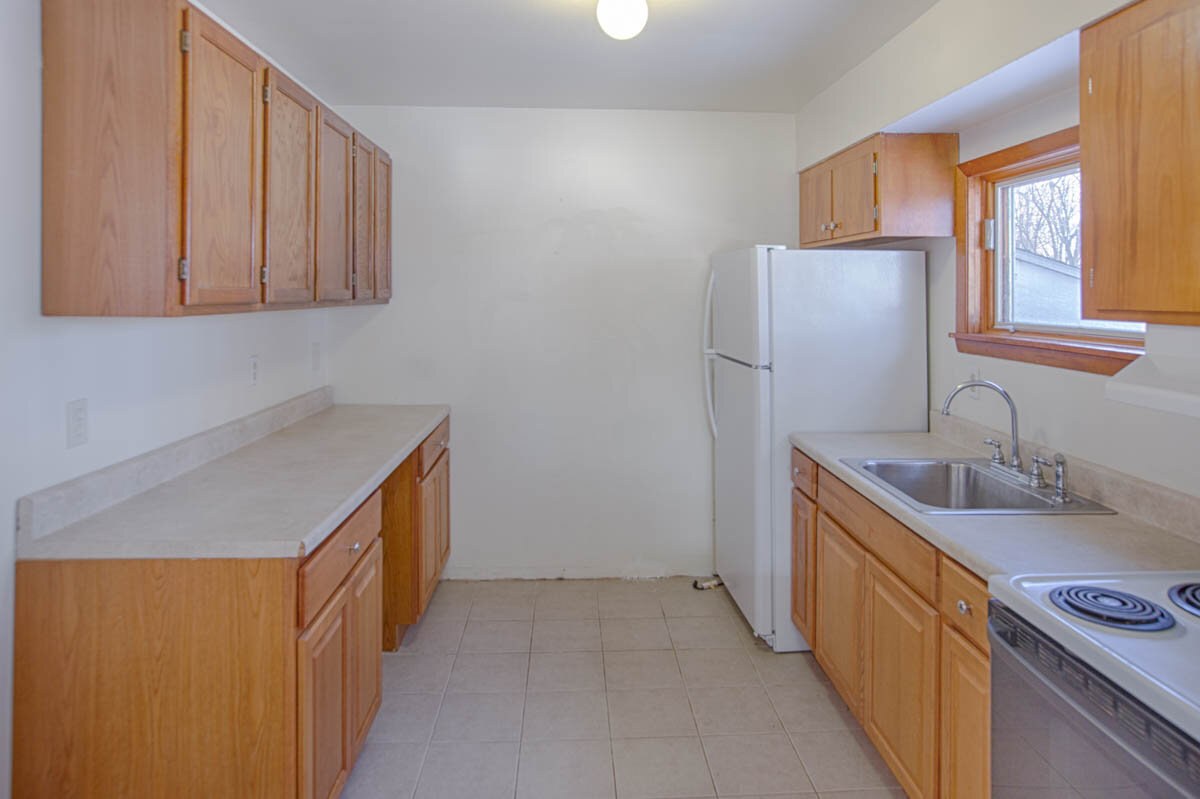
point(1015, 460)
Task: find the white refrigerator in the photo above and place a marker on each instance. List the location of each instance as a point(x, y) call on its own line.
point(800, 340)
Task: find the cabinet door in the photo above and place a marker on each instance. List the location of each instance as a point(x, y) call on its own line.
point(816, 204)
point(366, 652)
point(324, 658)
point(901, 686)
point(429, 497)
point(290, 208)
point(1139, 127)
point(364, 218)
point(966, 735)
point(383, 225)
point(854, 192)
point(804, 556)
point(335, 195)
point(223, 110)
point(840, 589)
point(443, 530)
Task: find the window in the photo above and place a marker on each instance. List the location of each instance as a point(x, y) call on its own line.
point(1037, 258)
point(1018, 226)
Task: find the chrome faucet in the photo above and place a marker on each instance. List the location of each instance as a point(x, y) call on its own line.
point(1015, 461)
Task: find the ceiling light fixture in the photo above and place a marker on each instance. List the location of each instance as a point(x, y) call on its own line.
point(622, 19)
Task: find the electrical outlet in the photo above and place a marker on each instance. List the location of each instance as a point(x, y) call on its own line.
point(77, 423)
point(316, 357)
point(976, 374)
point(254, 370)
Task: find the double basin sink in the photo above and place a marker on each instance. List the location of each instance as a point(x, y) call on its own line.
point(965, 486)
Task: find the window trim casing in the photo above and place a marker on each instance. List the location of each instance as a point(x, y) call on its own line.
point(975, 329)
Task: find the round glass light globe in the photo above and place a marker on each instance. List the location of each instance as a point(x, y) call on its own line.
point(622, 19)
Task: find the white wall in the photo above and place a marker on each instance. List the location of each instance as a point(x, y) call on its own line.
point(148, 382)
point(550, 269)
point(953, 44)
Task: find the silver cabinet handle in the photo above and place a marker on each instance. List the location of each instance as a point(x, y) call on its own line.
point(354, 548)
point(796, 471)
point(963, 607)
point(442, 443)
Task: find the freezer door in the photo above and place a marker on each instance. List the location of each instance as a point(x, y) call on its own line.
point(741, 305)
point(743, 489)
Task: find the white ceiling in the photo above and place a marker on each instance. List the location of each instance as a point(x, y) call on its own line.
point(723, 55)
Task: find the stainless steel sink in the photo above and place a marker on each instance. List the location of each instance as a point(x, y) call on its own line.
point(964, 486)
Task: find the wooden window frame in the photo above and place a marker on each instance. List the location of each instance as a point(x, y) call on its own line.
point(975, 329)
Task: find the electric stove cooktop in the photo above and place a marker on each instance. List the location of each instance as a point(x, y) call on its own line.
point(1139, 629)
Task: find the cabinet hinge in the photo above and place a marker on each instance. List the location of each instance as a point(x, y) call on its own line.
point(1092, 278)
point(354, 280)
point(262, 275)
point(1089, 86)
point(877, 213)
point(989, 234)
point(266, 94)
point(354, 151)
point(185, 268)
point(875, 166)
point(185, 41)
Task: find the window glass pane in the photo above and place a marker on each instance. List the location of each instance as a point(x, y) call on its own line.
point(1038, 265)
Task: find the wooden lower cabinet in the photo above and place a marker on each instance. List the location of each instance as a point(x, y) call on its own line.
point(804, 557)
point(841, 582)
point(966, 734)
point(416, 533)
point(324, 690)
point(902, 637)
point(901, 680)
point(198, 677)
point(366, 619)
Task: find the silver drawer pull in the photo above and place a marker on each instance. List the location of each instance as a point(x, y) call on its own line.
point(963, 607)
point(354, 548)
point(796, 471)
point(442, 443)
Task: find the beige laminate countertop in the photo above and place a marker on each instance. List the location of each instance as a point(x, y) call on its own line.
point(991, 546)
point(278, 497)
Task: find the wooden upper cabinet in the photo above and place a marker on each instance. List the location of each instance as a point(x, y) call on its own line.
point(840, 592)
point(325, 680)
point(383, 225)
point(854, 191)
point(804, 556)
point(288, 197)
point(335, 200)
point(366, 664)
point(110, 203)
point(364, 218)
point(889, 186)
point(173, 184)
point(816, 204)
point(1139, 137)
point(901, 645)
point(222, 179)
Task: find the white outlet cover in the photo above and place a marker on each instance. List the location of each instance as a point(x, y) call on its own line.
point(254, 370)
point(77, 423)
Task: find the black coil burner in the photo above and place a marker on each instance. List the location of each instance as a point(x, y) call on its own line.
point(1112, 608)
point(1187, 596)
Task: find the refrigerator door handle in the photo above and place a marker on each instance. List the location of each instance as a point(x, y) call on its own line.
point(709, 353)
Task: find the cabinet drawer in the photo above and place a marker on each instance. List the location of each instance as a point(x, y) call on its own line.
point(969, 618)
point(432, 447)
point(907, 554)
point(327, 567)
point(804, 473)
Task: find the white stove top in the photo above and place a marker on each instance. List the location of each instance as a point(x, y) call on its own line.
point(1161, 668)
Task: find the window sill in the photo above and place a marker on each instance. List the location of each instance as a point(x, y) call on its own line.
point(1098, 356)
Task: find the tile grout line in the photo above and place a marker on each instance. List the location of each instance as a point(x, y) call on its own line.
point(442, 701)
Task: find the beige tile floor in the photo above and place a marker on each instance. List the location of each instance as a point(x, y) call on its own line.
point(605, 689)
